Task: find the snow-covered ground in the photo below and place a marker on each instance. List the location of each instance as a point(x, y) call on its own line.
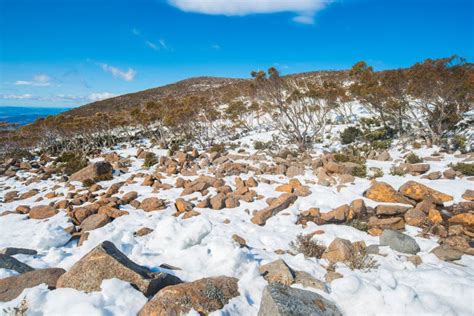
point(202, 246)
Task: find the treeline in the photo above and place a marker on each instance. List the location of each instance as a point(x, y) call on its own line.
point(424, 101)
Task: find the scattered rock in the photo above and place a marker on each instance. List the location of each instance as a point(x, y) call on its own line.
point(8, 262)
point(399, 242)
point(389, 210)
point(435, 175)
point(282, 300)
point(383, 192)
point(94, 221)
point(466, 219)
point(278, 205)
point(277, 271)
point(447, 253)
point(204, 296)
point(97, 171)
point(152, 204)
point(239, 240)
point(418, 192)
point(42, 212)
point(331, 276)
point(143, 231)
point(340, 250)
point(11, 251)
point(386, 223)
point(449, 174)
point(105, 261)
point(415, 217)
point(468, 195)
point(13, 286)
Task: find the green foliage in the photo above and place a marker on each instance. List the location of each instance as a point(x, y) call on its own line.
point(466, 169)
point(19, 154)
point(351, 154)
point(360, 225)
point(150, 160)
point(413, 158)
point(397, 171)
point(362, 261)
point(350, 135)
point(88, 182)
point(459, 143)
point(259, 145)
point(376, 173)
point(381, 144)
point(70, 162)
point(360, 171)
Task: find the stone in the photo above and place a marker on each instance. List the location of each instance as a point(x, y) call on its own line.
point(294, 171)
point(418, 168)
point(383, 192)
point(277, 205)
point(358, 208)
point(129, 197)
point(11, 251)
point(386, 223)
point(13, 286)
point(418, 192)
point(111, 212)
point(465, 219)
point(447, 253)
point(231, 202)
point(218, 201)
point(143, 232)
point(389, 210)
point(8, 262)
point(251, 182)
point(307, 280)
point(152, 204)
point(10, 196)
point(23, 209)
point(415, 217)
point(182, 205)
point(449, 174)
point(97, 171)
point(334, 167)
point(415, 259)
point(337, 215)
point(42, 212)
point(28, 194)
point(204, 296)
point(94, 221)
point(339, 250)
point(284, 188)
point(399, 242)
point(277, 271)
point(239, 240)
point(104, 262)
point(435, 175)
point(372, 250)
point(468, 195)
point(282, 300)
point(434, 216)
point(331, 276)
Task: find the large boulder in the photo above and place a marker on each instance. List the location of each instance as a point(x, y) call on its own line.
point(383, 192)
point(42, 212)
point(152, 204)
point(282, 300)
point(418, 192)
point(106, 262)
point(94, 221)
point(97, 171)
point(12, 286)
point(204, 296)
point(399, 242)
point(278, 205)
point(339, 250)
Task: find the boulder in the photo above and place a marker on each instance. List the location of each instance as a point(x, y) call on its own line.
point(143, 232)
point(449, 174)
point(42, 212)
point(11, 251)
point(383, 192)
point(152, 204)
point(399, 242)
point(389, 210)
point(94, 221)
point(8, 262)
point(386, 223)
point(97, 171)
point(294, 171)
point(465, 219)
point(218, 201)
point(129, 197)
point(337, 215)
point(340, 250)
point(282, 300)
point(204, 296)
point(13, 286)
point(468, 195)
point(104, 262)
point(415, 217)
point(418, 168)
point(278, 271)
point(435, 175)
point(307, 280)
point(418, 192)
point(277, 205)
point(182, 205)
point(447, 253)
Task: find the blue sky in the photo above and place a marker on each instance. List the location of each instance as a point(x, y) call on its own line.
point(71, 52)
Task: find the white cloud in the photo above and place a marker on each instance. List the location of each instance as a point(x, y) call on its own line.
point(98, 96)
point(163, 44)
point(305, 9)
point(152, 45)
point(40, 80)
point(25, 96)
point(128, 75)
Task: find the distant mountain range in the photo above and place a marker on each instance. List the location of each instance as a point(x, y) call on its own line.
point(23, 115)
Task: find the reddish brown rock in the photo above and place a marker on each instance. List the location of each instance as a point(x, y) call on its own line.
point(94, 221)
point(278, 205)
point(98, 171)
point(152, 204)
point(387, 223)
point(418, 192)
point(42, 212)
point(383, 192)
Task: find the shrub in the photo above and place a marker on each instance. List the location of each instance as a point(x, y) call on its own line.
point(397, 171)
point(416, 145)
point(259, 145)
point(466, 169)
point(350, 134)
point(459, 143)
point(376, 173)
point(362, 261)
point(70, 162)
point(150, 160)
point(381, 144)
point(413, 158)
point(360, 225)
point(217, 148)
point(305, 245)
point(360, 171)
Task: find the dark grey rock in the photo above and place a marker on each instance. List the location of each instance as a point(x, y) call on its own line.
point(7, 262)
point(399, 242)
point(11, 251)
point(282, 300)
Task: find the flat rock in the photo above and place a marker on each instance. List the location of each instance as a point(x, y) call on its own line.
point(94, 221)
point(104, 262)
point(204, 296)
point(8, 262)
point(11, 251)
point(282, 300)
point(418, 192)
point(152, 204)
point(447, 253)
point(12, 286)
point(42, 212)
point(277, 205)
point(391, 209)
point(399, 242)
point(383, 192)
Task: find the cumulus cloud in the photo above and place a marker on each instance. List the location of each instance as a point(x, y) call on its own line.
point(128, 75)
point(40, 80)
point(98, 96)
point(305, 9)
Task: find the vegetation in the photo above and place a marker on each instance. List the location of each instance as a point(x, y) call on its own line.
point(305, 245)
point(466, 169)
point(413, 158)
point(350, 135)
point(70, 162)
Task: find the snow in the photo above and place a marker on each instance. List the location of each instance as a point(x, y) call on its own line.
point(202, 246)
